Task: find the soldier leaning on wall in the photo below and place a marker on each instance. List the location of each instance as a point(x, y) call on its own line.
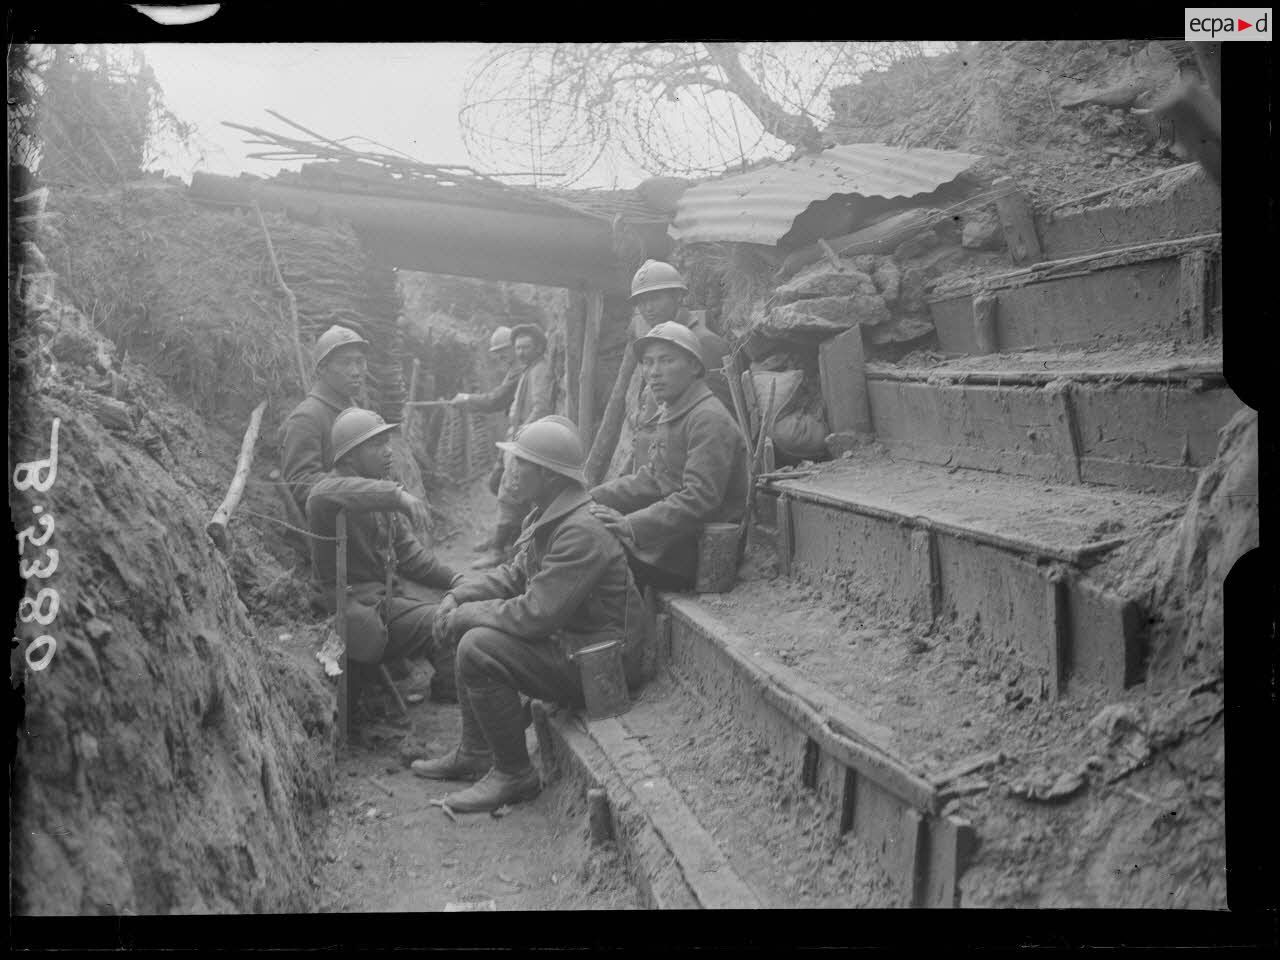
point(341, 362)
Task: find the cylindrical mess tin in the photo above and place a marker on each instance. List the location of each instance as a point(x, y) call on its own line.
point(604, 683)
point(717, 558)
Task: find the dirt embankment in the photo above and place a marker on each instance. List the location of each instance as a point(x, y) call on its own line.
point(1055, 115)
point(168, 760)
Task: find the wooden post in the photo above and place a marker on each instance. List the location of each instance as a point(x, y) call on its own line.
point(304, 372)
point(575, 324)
point(985, 336)
point(344, 672)
point(1193, 294)
point(785, 544)
point(1058, 634)
point(1066, 441)
point(842, 370)
point(599, 824)
point(217, 527)
point(606, 437)
point(915, 850)
point(590, 358)
point(1016, 219)
point(924, 560)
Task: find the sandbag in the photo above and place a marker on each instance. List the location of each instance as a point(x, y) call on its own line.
point(801, 435)
point(786, 385)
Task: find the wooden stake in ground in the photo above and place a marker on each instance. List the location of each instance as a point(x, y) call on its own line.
point(590, 358)
point(217, 527)
point(606, 437)
point(303, 371)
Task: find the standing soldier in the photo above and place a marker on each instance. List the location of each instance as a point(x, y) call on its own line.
point(341, 362)
point(567, 588)
point(499, 398)
point(656, 293)
point(531, 400)
point(697, 472)
point(381, 626)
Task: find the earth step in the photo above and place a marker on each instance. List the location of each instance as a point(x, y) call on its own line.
point(1159, 290)
point(888, 810)
point(671, 858)
point(1177, 202)
point(1014, 556)
point(1144, 418)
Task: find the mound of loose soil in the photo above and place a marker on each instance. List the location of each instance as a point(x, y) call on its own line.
point(1054, 115)
point(169, 760)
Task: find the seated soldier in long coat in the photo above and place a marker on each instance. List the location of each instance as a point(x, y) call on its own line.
point(568, 587)
point(380, 626)
point(696, 474)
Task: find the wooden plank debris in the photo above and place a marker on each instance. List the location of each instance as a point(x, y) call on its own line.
point(217, 527)
point(842, 372)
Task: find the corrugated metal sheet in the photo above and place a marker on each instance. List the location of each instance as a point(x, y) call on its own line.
point(760, 206)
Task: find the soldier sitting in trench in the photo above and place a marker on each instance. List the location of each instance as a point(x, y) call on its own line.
point(380, 627)
point(568, 587)
point(697, 469)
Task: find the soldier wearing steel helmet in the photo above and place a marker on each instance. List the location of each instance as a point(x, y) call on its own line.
point(499, 398)
point(380, 627)
point(340, 361)
point(697, 469)
point(568, 587)
point(532, 399)
point(656, 293)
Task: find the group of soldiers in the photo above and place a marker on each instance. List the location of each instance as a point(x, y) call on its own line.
point(566, 565)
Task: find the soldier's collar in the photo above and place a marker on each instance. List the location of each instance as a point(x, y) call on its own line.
point(697, 392)
point(330, 397)
point(565, 503)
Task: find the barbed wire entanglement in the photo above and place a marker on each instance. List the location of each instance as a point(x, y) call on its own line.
point(563, 110)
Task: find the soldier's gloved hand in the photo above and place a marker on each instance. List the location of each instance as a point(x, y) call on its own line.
point(415, 509)
point(613, 521)
point(460, 399)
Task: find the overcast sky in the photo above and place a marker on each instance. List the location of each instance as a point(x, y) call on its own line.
point(405, 95)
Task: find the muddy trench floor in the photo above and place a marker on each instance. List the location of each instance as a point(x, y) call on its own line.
point(399, 853)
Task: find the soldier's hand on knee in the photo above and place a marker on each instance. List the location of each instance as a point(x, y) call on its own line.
point(440, 623)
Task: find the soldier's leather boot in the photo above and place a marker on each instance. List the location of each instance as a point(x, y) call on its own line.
point(496, 789)
point(500, 715)
point(455, 765)
point(472, 758)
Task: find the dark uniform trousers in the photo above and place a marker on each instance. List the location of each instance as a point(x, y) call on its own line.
point(567, 587)
point(380, 626)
